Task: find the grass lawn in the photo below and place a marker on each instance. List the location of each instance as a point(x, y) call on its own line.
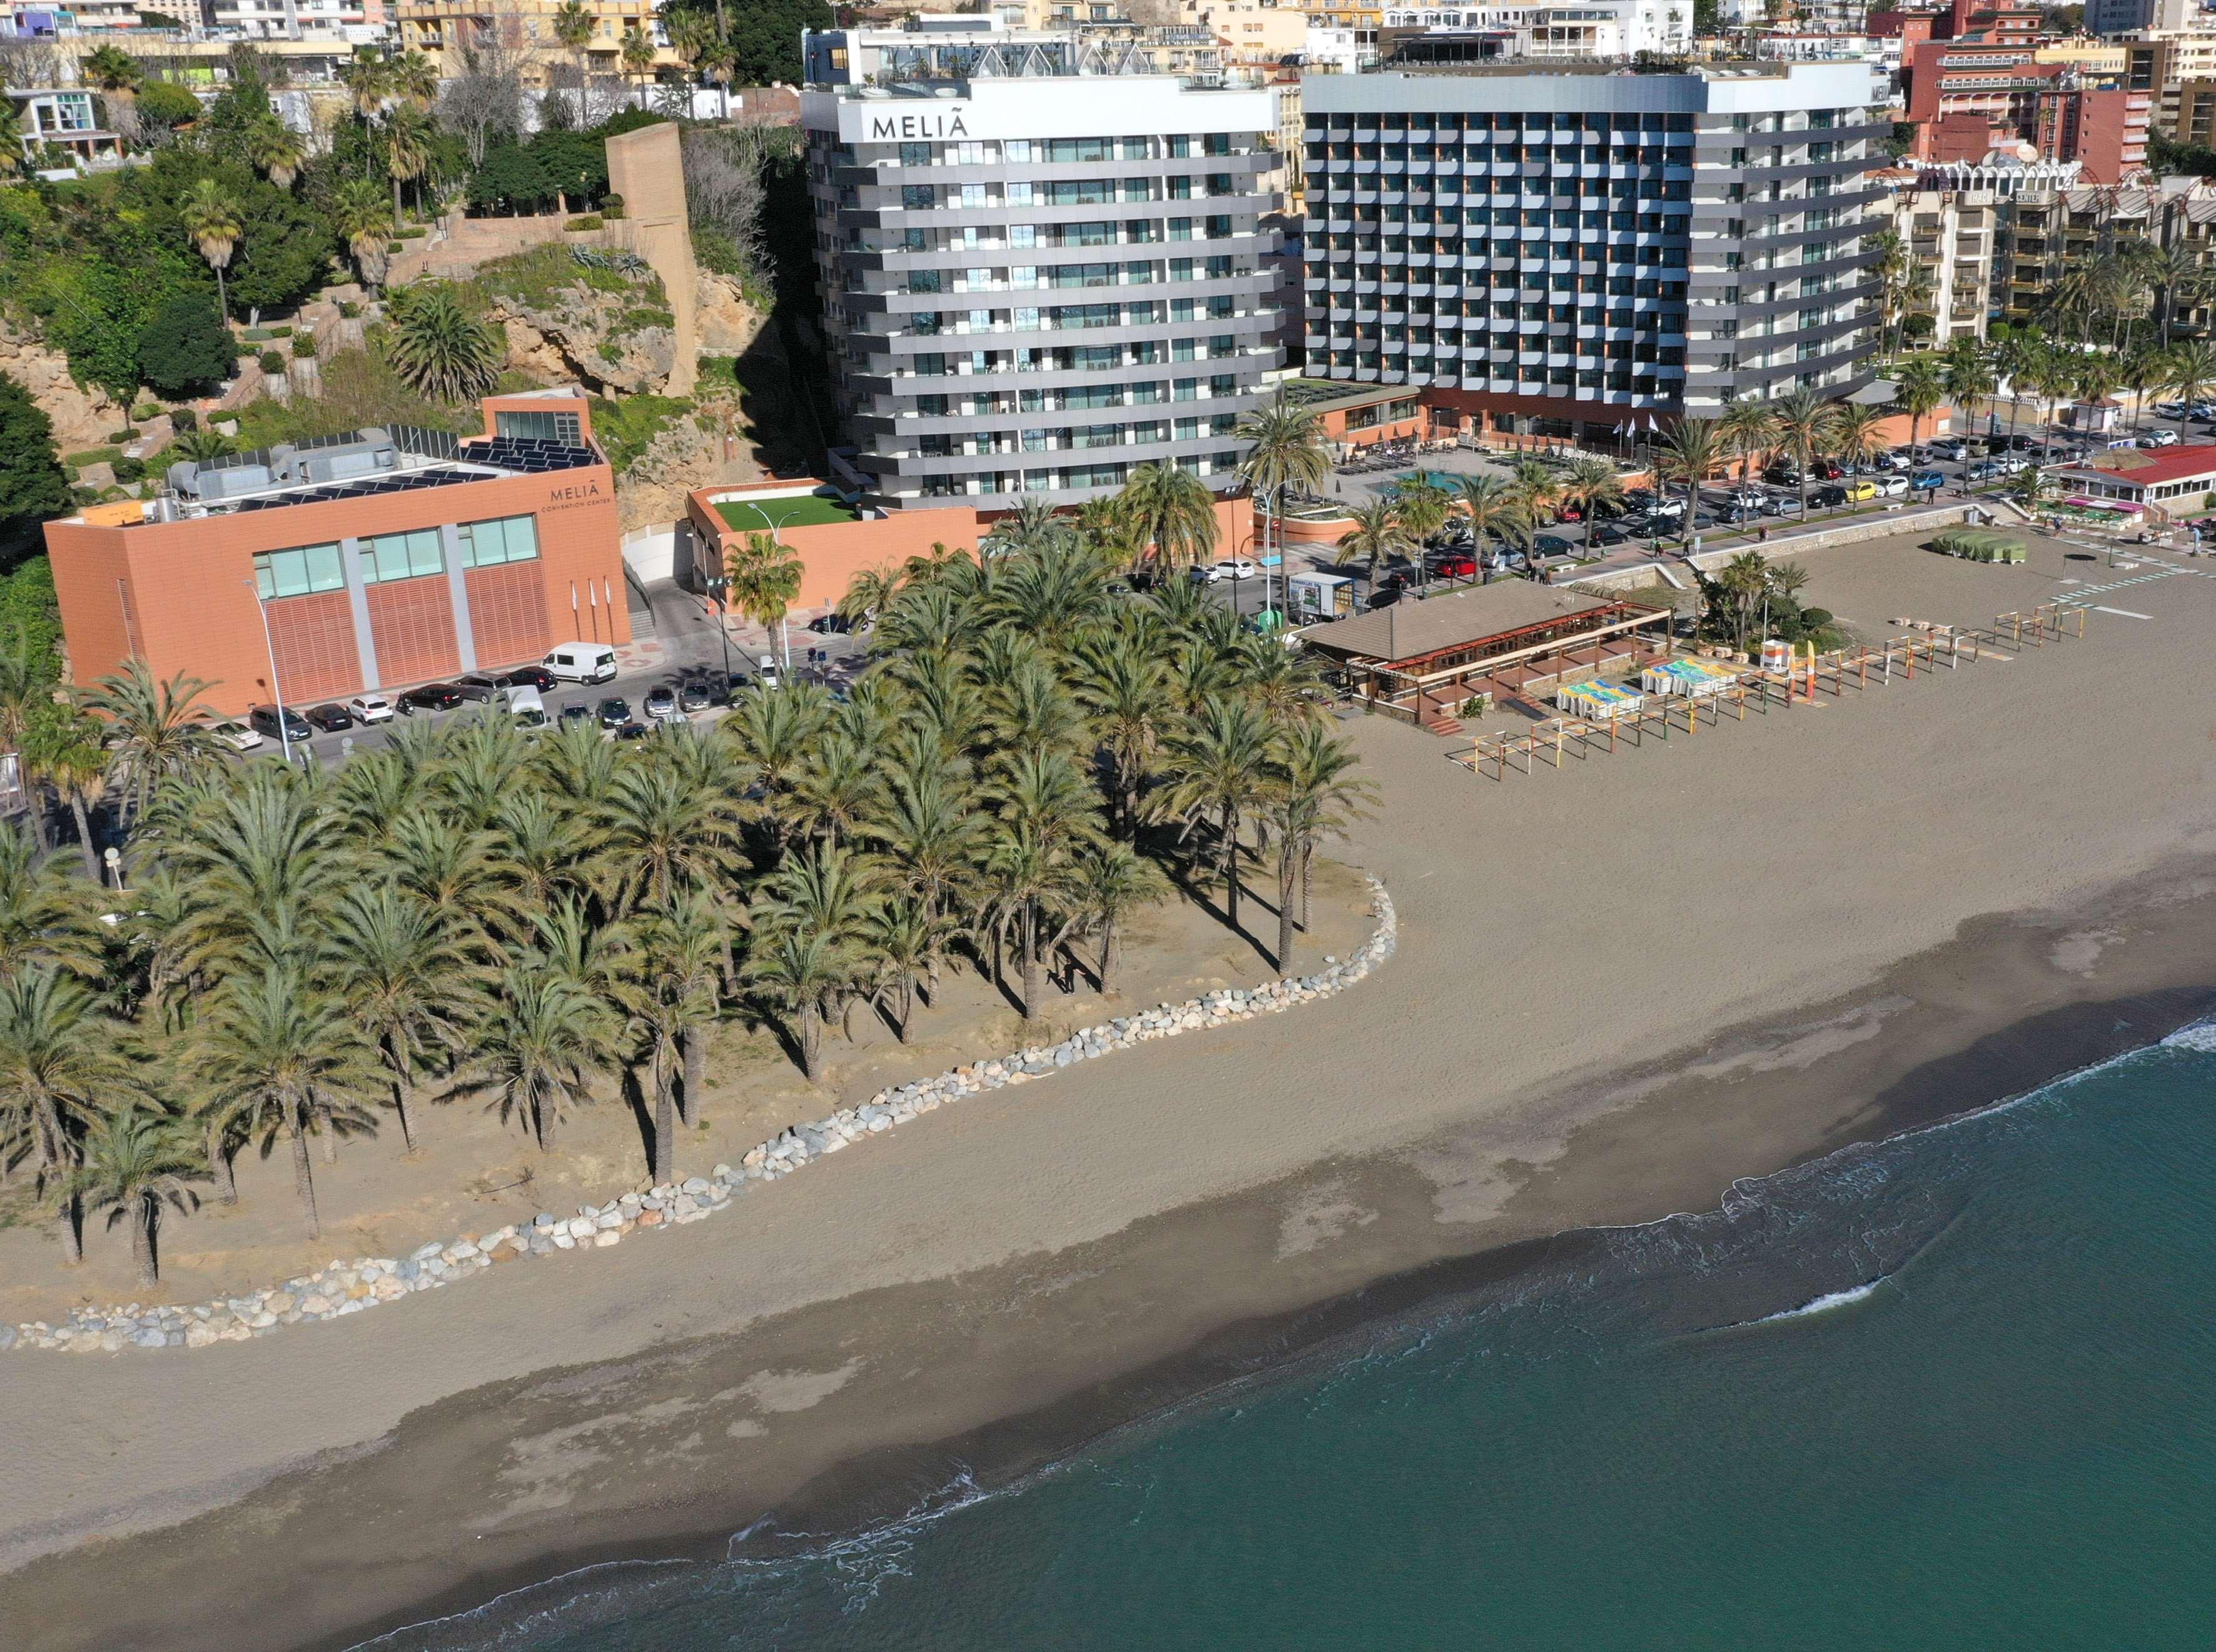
point(809, 511)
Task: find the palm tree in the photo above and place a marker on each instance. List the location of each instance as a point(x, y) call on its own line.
point(1748, 429)
point(1314, 794)
point(668, 1000)
point(1494, 513)
point(117, 76)
point(799, 971)
point(1692, 449)
point(441, 350)
point(1858, 430)
point(407, 137)
point(1285, 450)
point(908, 942)
point(1113, 880)
point(416, 77)
point(533, 1044)
point(1592, 484)
point(276, 151)
point(362, 218)
point(1376, 537)
point(1219, 763)
point(63, 749)
point(1422, 509)
point(1744, 579)
point(1031, 881)
point(1539, 489)
point(1968, 378)
point(1919, 389)
point(2192, 372)
point(135, 1161)
point(574, 26)
point(1172, 512)
point(160, 731)
point(404, 973)
point(211, 217)
point(765, 583)
point(277, 1055)
point(57, 1071)
point(637, 55)
point(1804, 428)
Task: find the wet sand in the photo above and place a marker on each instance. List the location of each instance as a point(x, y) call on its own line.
point(1619, 988)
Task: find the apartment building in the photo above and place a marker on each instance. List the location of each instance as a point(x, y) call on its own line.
point(294, 20)
point(1585, 29)
point(1035, 283)
point(67, 121)
point(1557, 252)
point(2122, 16)
point(379, 560)
point(2053, 228)
point(442, 28)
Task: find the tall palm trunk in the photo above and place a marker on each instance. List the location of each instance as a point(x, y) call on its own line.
point(1286, 860)
point(811, 1041)
point(1308, 856)
point(407, 1119)
point(304, 1173)
point(693, 1042)
point(218, 1162)
point(1231, 867)
point(142, 1242)
point(83, 817)
point(1107, 951)
point(665, 1119)
point(542, 1120)
point(53, 1159)
point(1034, 967)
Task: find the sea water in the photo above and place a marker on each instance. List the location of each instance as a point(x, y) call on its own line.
point(1954, 1390)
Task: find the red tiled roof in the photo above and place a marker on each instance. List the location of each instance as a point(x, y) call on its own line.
point(2159, 464)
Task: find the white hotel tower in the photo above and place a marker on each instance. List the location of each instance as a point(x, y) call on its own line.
point(1043, 266)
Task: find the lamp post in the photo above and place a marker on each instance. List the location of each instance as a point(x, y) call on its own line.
point(718, 584)
point(284, 732)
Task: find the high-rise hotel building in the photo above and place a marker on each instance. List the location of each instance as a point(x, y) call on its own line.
point(1569, 251)
point(1043, 266)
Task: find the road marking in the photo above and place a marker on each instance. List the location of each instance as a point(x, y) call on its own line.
point(2122, 613)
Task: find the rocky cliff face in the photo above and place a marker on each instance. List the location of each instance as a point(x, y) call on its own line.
point(617, 342)
point(83, 418)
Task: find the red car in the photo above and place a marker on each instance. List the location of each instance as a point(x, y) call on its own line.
point(1570, 514)
point(1454, 566)
point(1827, 469)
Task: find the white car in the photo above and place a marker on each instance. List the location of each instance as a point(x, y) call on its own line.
point(2159, 439)
point(237, 736)
point(370, 708)
point(1236, 568)
point(766, 673)
point(1891, 487)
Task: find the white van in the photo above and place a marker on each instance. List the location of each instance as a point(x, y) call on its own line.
point(525, 707)
point(581, 662)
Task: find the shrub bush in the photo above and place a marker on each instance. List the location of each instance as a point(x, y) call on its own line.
point(183, 418)
point(117, 437)
point(272, 362)
point(590, 221)
point(304, 344)
point(141, 414)
point(612, 207)
point(254, 334)
point(280, 332)
point(130, 470)
point(349, 308)
point(85, 496)
point(92, 455)
point(1815, 619)
point(184, 350)
point(394, 246)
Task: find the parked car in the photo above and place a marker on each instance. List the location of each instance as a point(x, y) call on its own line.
point(1453, 565)
point(831, 624)
point(1934, 480)
point(662, 705)
point(2171, 410)
point(1781, 476)
point(1828, 497)
point(766, 673)
point(432, 697)
point(1826, 470)
point(1606, 533)
point(1739, 515)
point(1893, 487)
point(1638, 498)
point(1385, 596)
point(1553, 545)
point(1505, 562)
point(572, 714)
point(695, 696)
point(1570, 510)
point(332, 718)
point(1857, 492)
point(1232, 567)
point(614, 713)
point(525, 705)
point(479, 688)
point(2159, 439)
point(236, 735)
point(536, 677)
point(633, 731)
point(1886, 463)
point(265, 720)
point(1949, 447)
point(370, 708)
point(1983, 470)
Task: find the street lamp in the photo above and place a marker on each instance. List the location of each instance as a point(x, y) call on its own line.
point(718, 584)
point(284, 733)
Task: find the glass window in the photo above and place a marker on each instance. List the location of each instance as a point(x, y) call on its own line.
point(541, 427)
point(297, 572)
point(401, 555)
point(503, 539)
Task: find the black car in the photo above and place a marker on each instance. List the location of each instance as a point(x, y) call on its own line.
point(1605, 534)
point(263, 718)
point(478, 687)
point(1385, 596)
point(536, 677)
point(1781, 476)
point(1825, 498)
point(1553, 545)
point(695, 696)
point(332, 719)
point(633, 731)
point(830, 625)
point(575, 714)
point(614, 713)
point(432, 697)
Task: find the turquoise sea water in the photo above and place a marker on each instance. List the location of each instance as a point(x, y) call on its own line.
point(1958, 1390)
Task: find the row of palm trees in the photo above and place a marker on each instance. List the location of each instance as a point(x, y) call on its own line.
point(472, 914)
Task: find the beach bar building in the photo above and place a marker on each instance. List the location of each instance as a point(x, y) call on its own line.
point(2165, 481)
point(1421, 660)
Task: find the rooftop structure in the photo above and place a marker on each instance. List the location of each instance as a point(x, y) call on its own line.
point(375, 559)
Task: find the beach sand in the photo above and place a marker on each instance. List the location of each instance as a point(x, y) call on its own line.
point(1619, 988)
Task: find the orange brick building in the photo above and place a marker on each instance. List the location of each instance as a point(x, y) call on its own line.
point(379, 560)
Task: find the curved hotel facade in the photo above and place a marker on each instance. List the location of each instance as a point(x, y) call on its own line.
point(1034, 284)
point(1570, 252)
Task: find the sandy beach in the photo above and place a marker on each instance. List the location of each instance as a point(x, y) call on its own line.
point(1619, 986)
